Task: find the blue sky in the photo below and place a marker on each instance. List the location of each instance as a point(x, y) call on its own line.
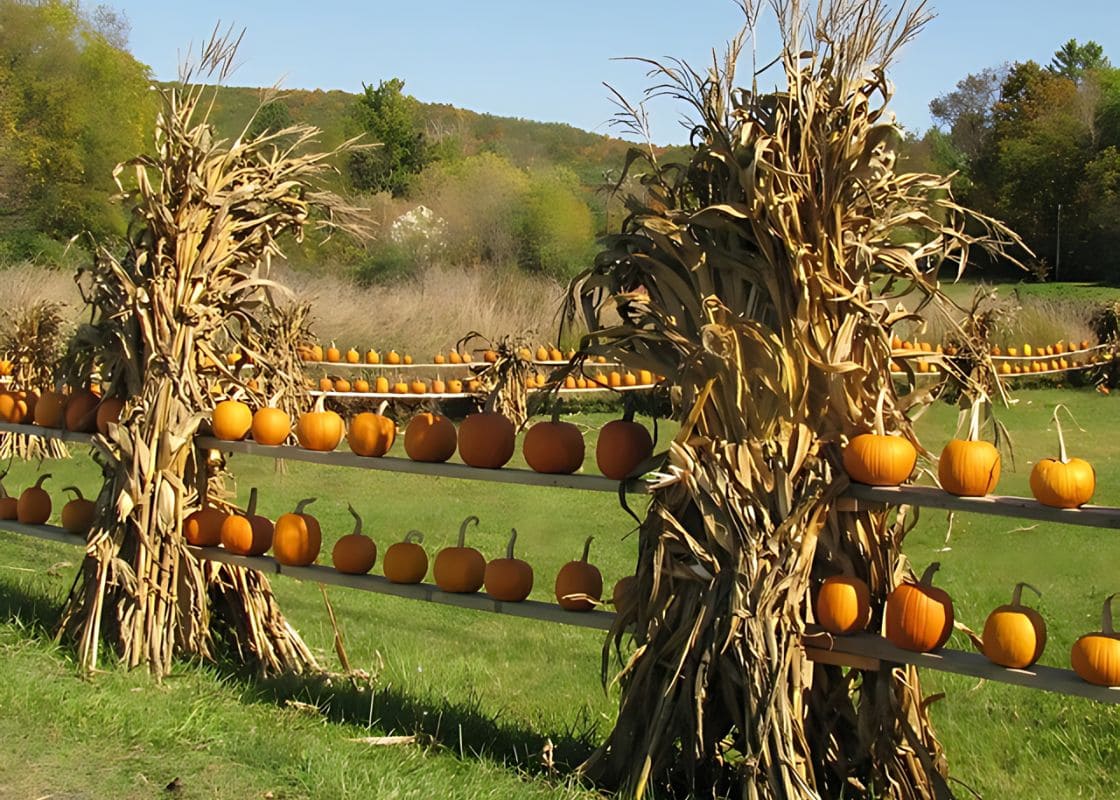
point(548, 60)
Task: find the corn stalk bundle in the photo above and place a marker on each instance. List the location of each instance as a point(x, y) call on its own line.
point(33, 338)
point(190, 287)
point(504, 383)
point(763, 278)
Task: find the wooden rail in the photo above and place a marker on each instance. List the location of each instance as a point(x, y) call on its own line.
point(47, 433)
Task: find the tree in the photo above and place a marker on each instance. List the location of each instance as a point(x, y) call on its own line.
point(966, 112)
point(388, 117)
point(271, 117)
point(1073, 60)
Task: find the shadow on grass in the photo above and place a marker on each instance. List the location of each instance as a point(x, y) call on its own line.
point(25, 603)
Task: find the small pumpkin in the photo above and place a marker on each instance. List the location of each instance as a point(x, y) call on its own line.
point(454, 386)
point(78, 515)
point(542, 353)
point(1015, 635)
point(843, 605)
point(50, 410)
point(248, 534)
point(34, 504)
point(1063, 482)
point(418, 386)
point(460, 569)
point(271, 426)
point(361, 385)
point(81, 411)
point(509, 579)
point(625, 594)
point(381, 384)
point(486, 440)
point(108, 413)
point(353, 356)
point(406, 562)
point(9, 506)
point(297, 537)
point(579, 585)
point(341, 385)
point(333, 354)
point(203, 528)
point(372, 356)
point(622, 445)
point(969, 467)
point(371, 434)
point(429, 437)
point(355, 553)
point(919, 615)
point(439, 386)
point(13, 407)
point(232, 419)
point(393, 357)
point(1095, 657)
point(320, 429)
point(879, 459)
point(554, 447)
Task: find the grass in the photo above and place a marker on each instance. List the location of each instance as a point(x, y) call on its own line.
point(487, 693)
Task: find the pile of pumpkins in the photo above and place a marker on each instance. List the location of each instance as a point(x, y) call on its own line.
point(33, 507)
point(83, 410)
point(296, 539)
point(485, 439)
point(970, 467)
point(919, 617)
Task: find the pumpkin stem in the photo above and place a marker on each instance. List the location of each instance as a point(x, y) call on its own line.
point(512, 539)
point(1106, 616)
point(927, 576)
point(302, 504)
point(414, 537)
point(357, 520)
point(39, 483)
point(1062, 455)
point(974, 421)
point(463, 529)
point(879, 427)
point(319, 407)
point(251, 509)
point(1017, 593)
point(628, 413)
point(77, 492)
point(381, 408)
point(586, 549)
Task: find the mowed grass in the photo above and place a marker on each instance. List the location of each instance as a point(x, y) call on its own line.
point(488, 693)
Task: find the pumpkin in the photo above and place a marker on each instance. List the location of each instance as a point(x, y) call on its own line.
point(969, 467)
point(81, 411)
point(878, 459)
point(14, 407)
point(361, 385)
point(843, 605)
point(79, 513)
point(508, 579)
point(919, 615)
point(371, 434)
point(629, 379)
point(333, 355)
point(579, 585)
point(400, 387)
point(341, 385)
point(1014, 635)
point(326, 385)
point(490, 357)
point(248, 534)
point(9, 506)
point(297, 538)
point(319, 429)
point(625, 594)
point(417, 386)
point(429, 437)
point(232, 419)
point(554, 354)
point(353, 356)
point(1063, 482)
point(203, 528)
point(372, 356)
point(542, 353)
point(460, 569)
point(553, 447)
point(623, 444)
point(439, 386)
point(1095, 657)
point(381, 384)
point(108, 413)
point(271, 426)
point(50, 410)
point(393, 357)
point(486, 440)
point(355, 553)
point(407, 359)
point(406, 562)
point(34, 504)
point(439, 358)
point(454, 357)
point(454, 386)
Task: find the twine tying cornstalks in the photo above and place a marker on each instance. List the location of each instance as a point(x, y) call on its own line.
point(763, 277)
point(189, 288)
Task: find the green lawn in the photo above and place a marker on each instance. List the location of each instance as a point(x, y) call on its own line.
point(487, 692)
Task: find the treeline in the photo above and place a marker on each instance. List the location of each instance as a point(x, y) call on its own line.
point(1039, 147)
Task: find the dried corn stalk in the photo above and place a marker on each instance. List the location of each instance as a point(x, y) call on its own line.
point(763, 278)
point(190, 288)
point(33, 337)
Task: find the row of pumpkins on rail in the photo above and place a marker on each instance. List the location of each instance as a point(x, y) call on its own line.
point(437, 385)
point(919, 617)
point(333, 355)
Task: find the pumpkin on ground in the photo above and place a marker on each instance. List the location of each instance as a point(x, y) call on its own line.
point(579, 585)
point(429, 437)
point(372, 434)
point(843, 605)
point(203, 528)
point(623, 444)
point(231, 420)
point(1015, 635)
point(486, 440)
point(1063, 482)
point(509, 579)
point(34, 504)
point(108, 413)
point(297, 537)
point(271, 426)
point(460, 569)
point(320, 429)
point(1095, 657)
point(879, 459)
point(919, 615)
point(248, 534)
point(406, 561)
point(969, 467)
point(50, 410)
point(9, 506)
point(553, 447)
point(355, 553)
point(79, 513)
point(81, 411)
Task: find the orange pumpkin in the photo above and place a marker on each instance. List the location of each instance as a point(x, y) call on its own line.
point(406, 562)
point(623, 444)
point(50, 410)
point(1095, 657)
point(969, 467)
point(319, 429)
point(81, 411)
point(78, 515)
point(919, 615)
point(486, 440)
point(271, 426)
point(232, 419)
point(460, 569)
point(509, 579)
point(248, 534)
point(297, 538)
point(429, 437)
point(333, 354)
point(579, 585)
point(843, 605)
point(554, 447)
point(353, 356)
point(361, 385)
point(203, 528)
point(381, 384)
point(13, 407)
point(371, 434)
point(625, 594)
point(879, 459)
point(1014, 635)
point(355, 553)
point(1063, 482)
point(34, 504)
point(108, 413)
point(9, 506)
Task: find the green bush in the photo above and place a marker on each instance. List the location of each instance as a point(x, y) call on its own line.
point(557, 229)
